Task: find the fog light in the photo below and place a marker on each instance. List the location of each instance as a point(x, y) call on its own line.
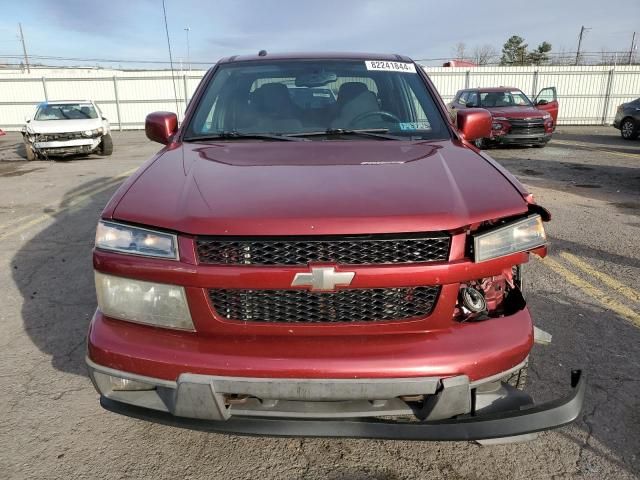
point(473, 300)
point(119, 384)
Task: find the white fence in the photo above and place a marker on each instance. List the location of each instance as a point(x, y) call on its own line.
point(587, 95)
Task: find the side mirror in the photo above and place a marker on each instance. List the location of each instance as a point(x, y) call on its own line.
point(27, 118)
point(161, 126)
point(542, 102)
point(474, 123)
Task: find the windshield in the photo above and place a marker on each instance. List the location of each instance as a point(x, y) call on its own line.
point(513, 98)
point(66, 111)
point(317, 96)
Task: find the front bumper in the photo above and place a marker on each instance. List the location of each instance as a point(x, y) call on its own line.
point(483, 409)
point(67, 147)
point(523, 139)
point(475, 349)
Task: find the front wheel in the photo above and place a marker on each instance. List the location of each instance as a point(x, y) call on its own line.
point(29, 151)
point(106, 146)
point(628, 129)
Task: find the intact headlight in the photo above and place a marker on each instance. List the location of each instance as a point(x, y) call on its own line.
point(517, 236)
point(136, 241)
point(152, 303)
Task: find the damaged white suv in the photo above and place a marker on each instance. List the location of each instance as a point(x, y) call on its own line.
point(63, 128)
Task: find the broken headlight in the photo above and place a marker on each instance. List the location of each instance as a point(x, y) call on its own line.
point(92, 133)
point(519, 236)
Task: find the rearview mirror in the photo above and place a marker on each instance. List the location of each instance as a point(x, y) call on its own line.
point(315, 79)
point(474, 123)
point(161, 126)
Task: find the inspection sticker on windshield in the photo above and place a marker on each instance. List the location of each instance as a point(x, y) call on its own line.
point(387, 66)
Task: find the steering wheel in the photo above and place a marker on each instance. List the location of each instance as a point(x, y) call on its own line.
point(382, 113)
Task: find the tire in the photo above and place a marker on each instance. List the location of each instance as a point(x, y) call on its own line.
point(517, 379)
point(628, 129)
point(29, 152)
point(540, 145)
point(106, 146)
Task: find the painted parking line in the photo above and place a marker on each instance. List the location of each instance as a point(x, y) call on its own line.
point(619, 287)
point(72, 202)
point(595, 293)
point(595, 149)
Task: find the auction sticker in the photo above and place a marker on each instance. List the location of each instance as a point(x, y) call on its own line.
point(388, 66)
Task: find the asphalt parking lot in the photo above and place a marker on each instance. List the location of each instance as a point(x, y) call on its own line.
point(586, 294)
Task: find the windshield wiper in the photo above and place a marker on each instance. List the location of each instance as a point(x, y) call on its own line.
point(232, 135)
point(367, 132)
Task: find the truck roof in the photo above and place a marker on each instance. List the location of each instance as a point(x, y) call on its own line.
point(491, 89)
point(317, 55)
point(63, 102)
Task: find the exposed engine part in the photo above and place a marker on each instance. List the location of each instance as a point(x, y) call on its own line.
point(501, 295)
point(473, 300)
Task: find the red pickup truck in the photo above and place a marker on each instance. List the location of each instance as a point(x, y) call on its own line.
point(324, 268)
point(516, 119)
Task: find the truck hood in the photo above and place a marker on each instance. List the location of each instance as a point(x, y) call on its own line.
point(63, 126)
point(318, 188)
point(516, 112)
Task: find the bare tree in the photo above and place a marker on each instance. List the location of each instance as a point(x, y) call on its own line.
point(562, 57)
point(484, 55)
point(460, 51)
point(608, 58)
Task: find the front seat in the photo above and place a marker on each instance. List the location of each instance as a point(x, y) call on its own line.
point(490, 100)
point(275, 109)
point(354, 99)
point(348, 91)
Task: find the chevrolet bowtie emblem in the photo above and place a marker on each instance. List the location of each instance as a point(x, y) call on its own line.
point(322, 278)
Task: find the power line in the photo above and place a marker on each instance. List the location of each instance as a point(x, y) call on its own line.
point(173, 77)
point(103, 60)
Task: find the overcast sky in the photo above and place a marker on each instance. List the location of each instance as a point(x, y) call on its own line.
point(134, 29)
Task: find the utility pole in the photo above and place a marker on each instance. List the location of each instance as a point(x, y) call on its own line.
point(187, 29)
point(582, 30)
point(24, 48)
point(633, 47)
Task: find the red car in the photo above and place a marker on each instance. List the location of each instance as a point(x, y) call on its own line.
point(516, 119)
point(326, 268)
point(2, 133)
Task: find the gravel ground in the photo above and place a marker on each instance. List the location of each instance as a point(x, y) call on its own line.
point(53, 426)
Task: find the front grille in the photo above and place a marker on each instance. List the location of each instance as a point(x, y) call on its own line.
point(358, 250)
point(532, 126)
point(343, 306)
point(53, 137)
